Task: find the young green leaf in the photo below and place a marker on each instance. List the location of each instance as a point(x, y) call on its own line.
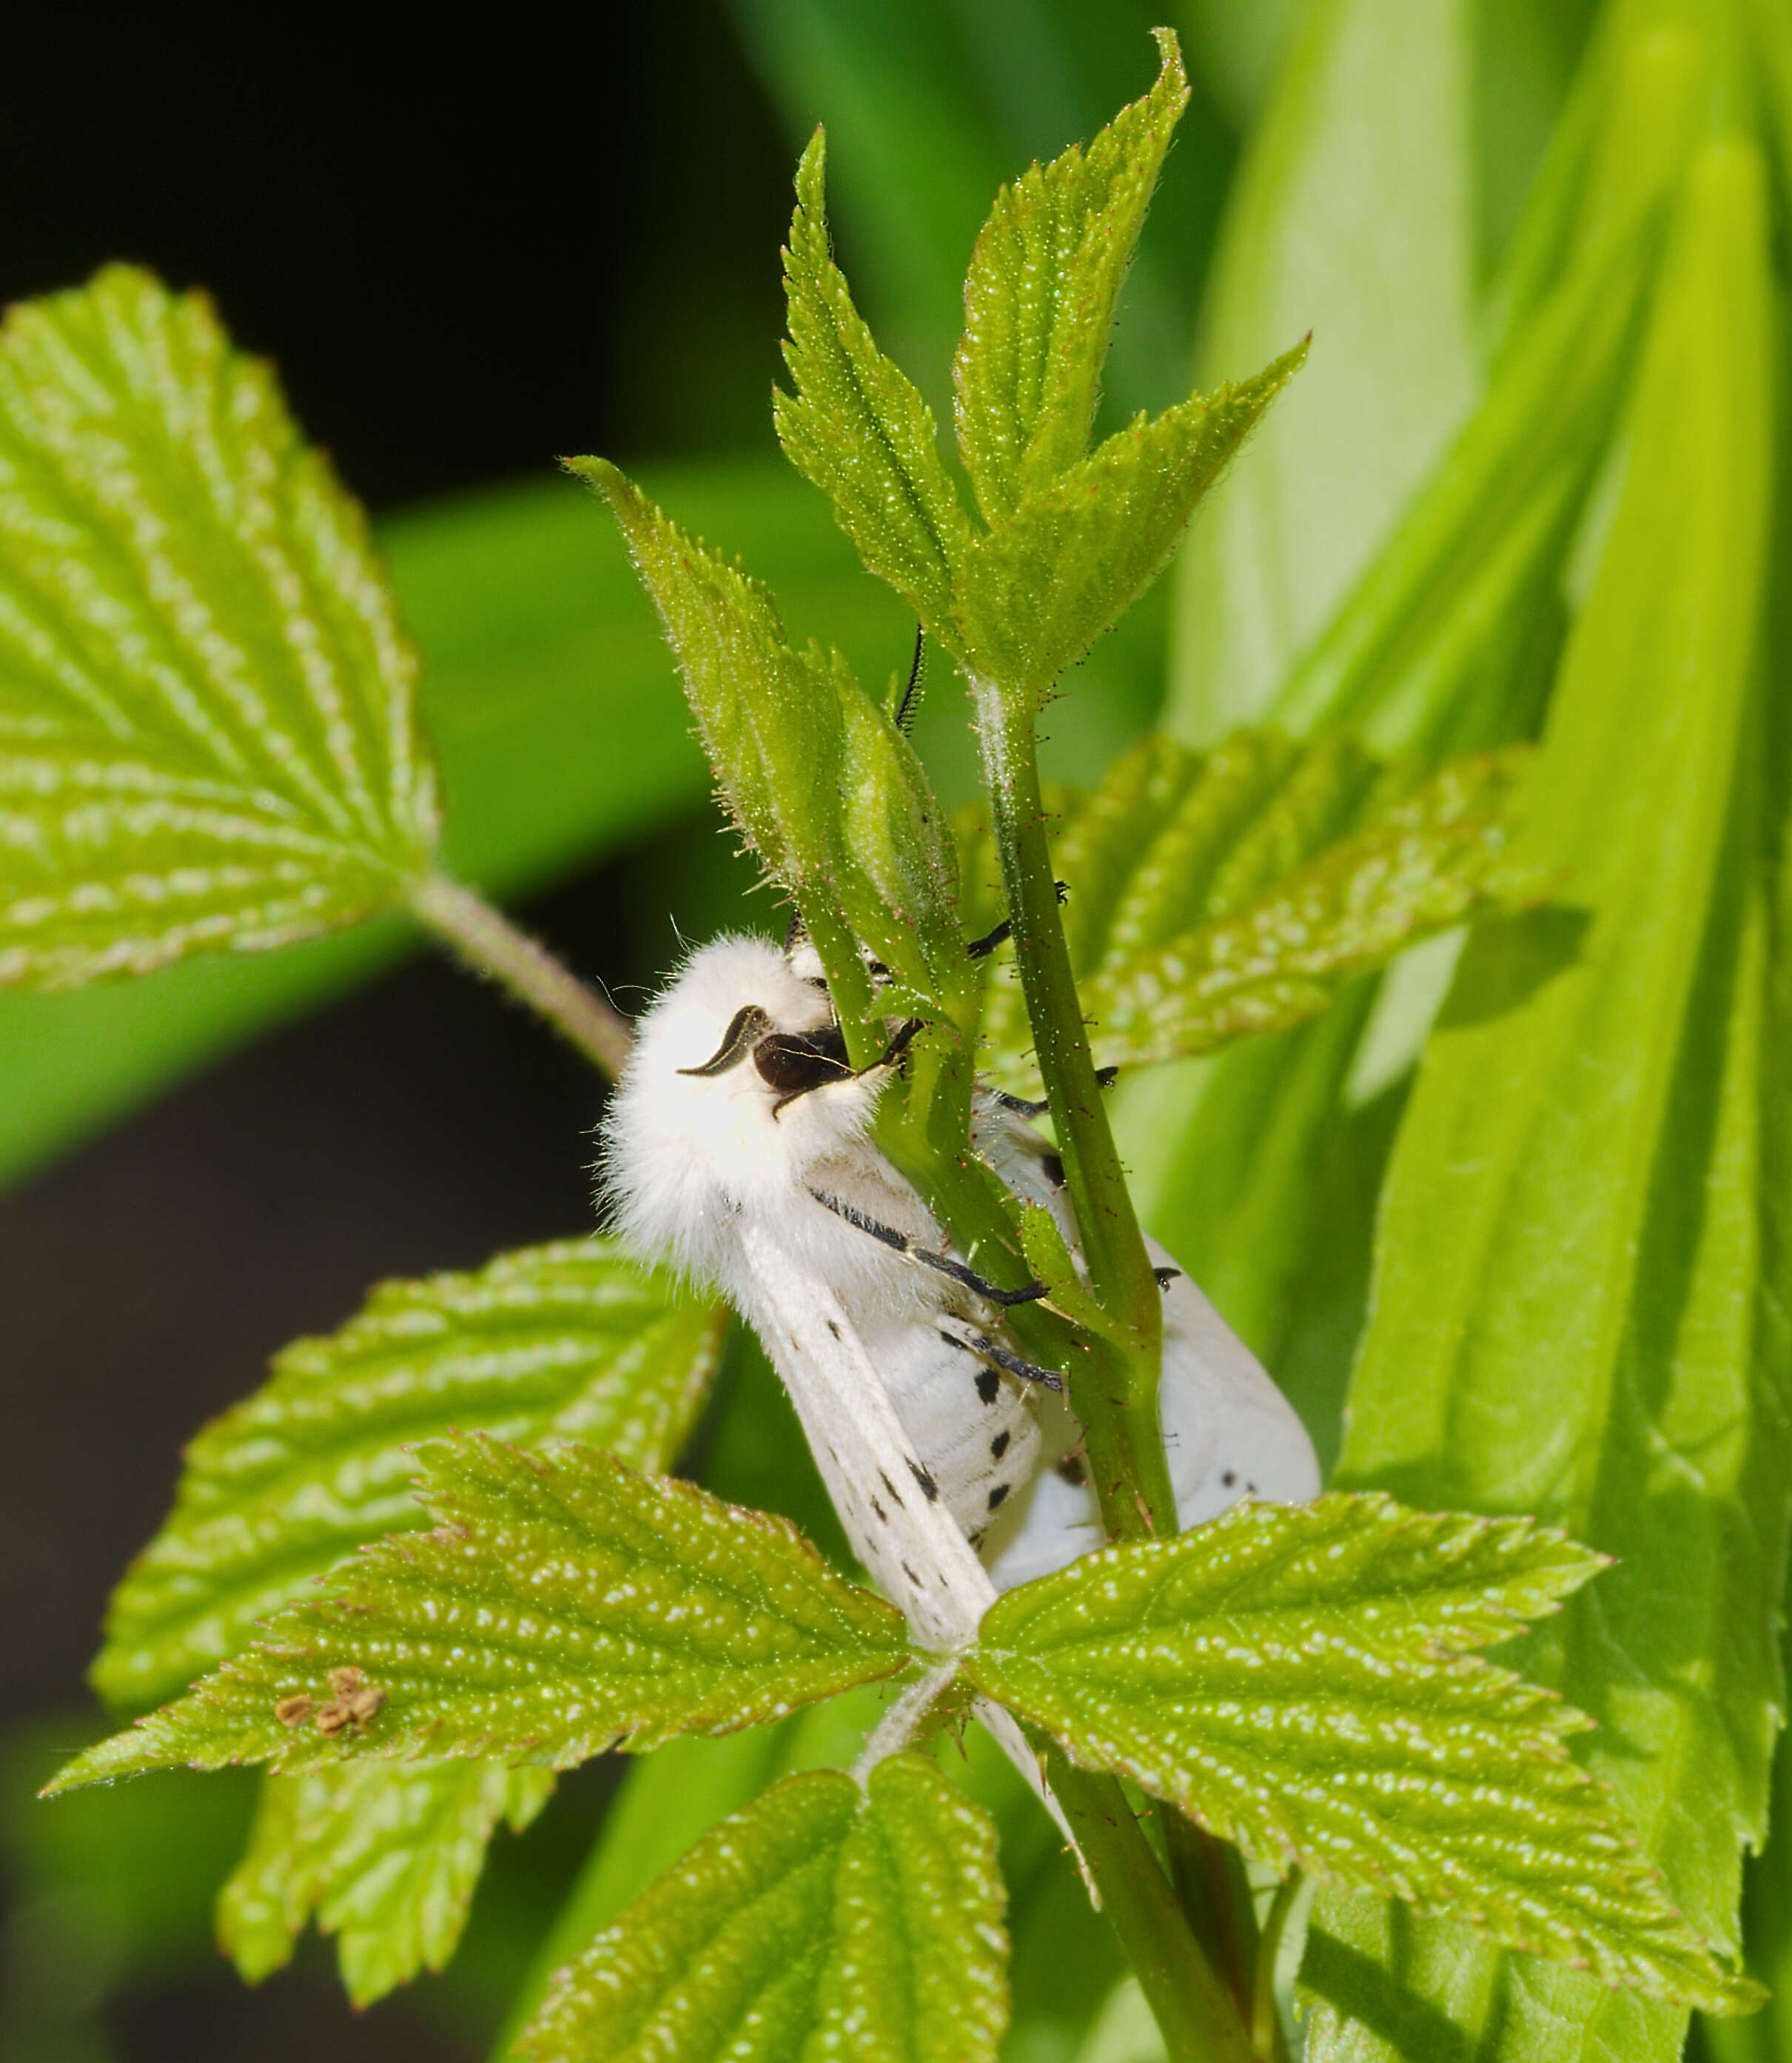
point(1427, 863)
point(1036, 592)
point(1302, 1680)
point(206, 733)
point(573, 1340)
point(856, 426)
point(820, 781)
point(822, 1918)
point(1217, 894)
point(385, 1854)
point(1039, 298)
point(562, 1606)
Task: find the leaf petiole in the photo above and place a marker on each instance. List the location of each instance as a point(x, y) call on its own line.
point(487, 941)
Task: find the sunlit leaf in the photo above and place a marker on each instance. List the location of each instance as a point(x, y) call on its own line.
point(570, 1340)
point(855, 425)
point(385, 1854)
point(561, 1607)
point(1040, 296)
point(822, 1919)
point(1566, 1312)
point(1034, 594)
point(1360, 229)
point(817, 778)
point(206, 728)
point(1302, 1680)
point(1210, 895)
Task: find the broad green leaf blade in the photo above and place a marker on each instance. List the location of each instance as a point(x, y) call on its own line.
point(207, 730)
point(561, 733)
point(1360, 229)
point(1567, 1258)
point(1301, 1679)
point(1040, 296)
point(822, 1919)
point(386, 1855)
point(855, 425)
point(1034, 594)
point(562, 1606)
point(1211, 894)
point(572, 1340)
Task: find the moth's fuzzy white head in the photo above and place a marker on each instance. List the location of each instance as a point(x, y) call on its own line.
point(684, 1153)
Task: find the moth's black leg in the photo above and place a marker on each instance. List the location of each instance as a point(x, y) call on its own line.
point(980, 949)
point(1020, 1105)
point(942, 1264)
point(901, 1039)
point(992, 1351)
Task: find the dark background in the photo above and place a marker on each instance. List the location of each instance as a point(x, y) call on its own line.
point(468, 252)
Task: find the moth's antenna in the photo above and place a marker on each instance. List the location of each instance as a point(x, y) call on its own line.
point(911, 694)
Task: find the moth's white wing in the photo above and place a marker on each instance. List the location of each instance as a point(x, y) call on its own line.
point(888, 1503)
point(1228, 1433)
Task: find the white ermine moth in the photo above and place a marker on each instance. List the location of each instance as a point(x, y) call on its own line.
point(738, 1146)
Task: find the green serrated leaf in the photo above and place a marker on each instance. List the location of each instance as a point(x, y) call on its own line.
point(206, 732)
point(822, 1918)
point(1039, 298)
point(768, 714)
point(1302, 1680)
point(386, 1855)
point(571, 1340)
point(1426, 864)
point(562, 1606)
point(1215, 895)
point(818, 779)
point(857, 428)
point(1034, 594)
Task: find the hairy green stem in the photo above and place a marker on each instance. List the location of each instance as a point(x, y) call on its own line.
point(1266, 2019)
point(1116, 1398)
point(490, 944)
point(1196, 2014)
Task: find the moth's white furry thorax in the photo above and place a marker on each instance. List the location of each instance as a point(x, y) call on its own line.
point(685, 1155)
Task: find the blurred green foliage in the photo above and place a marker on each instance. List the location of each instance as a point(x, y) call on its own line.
point(1468, 201)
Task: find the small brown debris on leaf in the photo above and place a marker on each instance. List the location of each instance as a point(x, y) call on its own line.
point(356, 1702)
point(294, 1711)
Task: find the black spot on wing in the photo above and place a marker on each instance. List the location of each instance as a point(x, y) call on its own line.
point(989, 1383)
point(997, 1495)
point(1073, 1471)
point(883, 1516)
point(833, 1328)
point(929, 1488)
point(999, 1447)
point(1228, 1477)
point(1054, 1167)
point(894, 1494)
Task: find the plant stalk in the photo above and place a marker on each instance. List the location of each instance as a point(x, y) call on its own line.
point(1196, 2013)
point(1215, 1894)
point(491, 945)
point(1117, 1399)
